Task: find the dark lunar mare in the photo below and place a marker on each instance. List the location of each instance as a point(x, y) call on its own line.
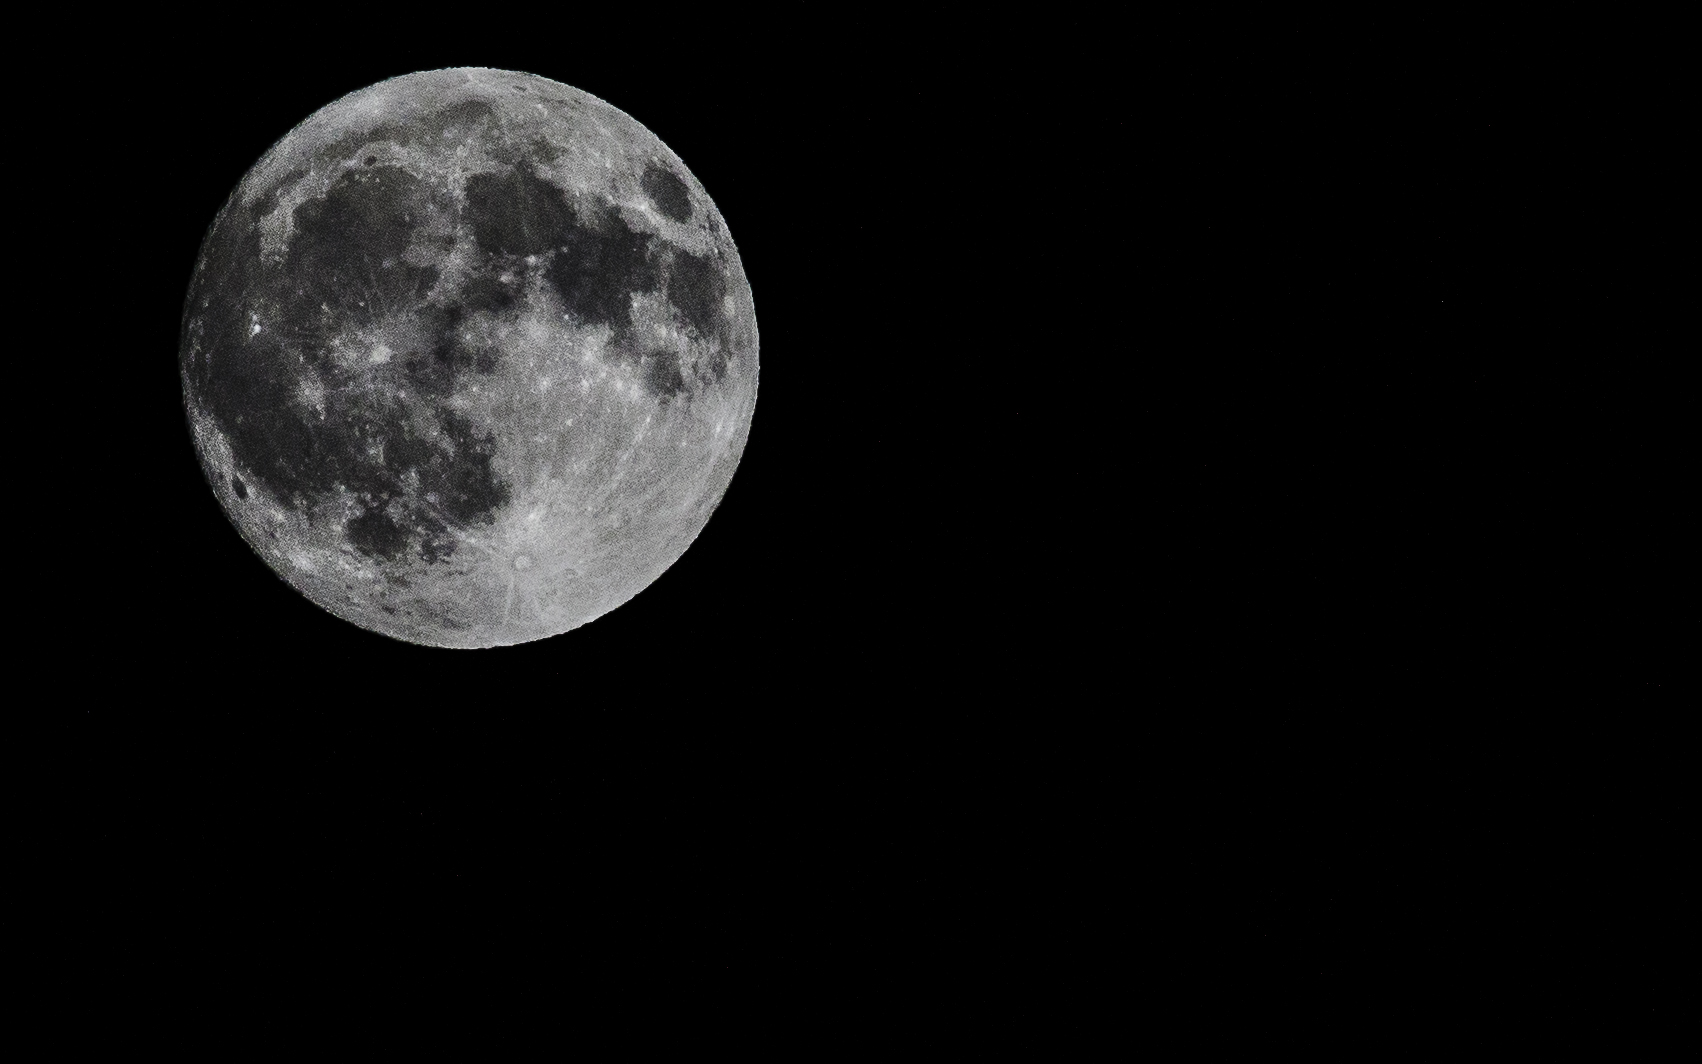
point(593, 260)
point(596, 262)
point(662, 376)
point(344, 270)
point(347, 247)
point(517, 212)
point(600, 264)
point(667, 192)
point(696, 285)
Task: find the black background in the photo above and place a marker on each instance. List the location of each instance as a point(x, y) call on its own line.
point(1135, 587)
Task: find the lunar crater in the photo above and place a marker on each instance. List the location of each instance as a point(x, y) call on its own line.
point(382, 338)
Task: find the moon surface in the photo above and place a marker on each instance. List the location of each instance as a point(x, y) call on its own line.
point(469, 358)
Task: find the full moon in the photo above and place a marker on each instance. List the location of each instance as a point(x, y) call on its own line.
point(469, 358)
